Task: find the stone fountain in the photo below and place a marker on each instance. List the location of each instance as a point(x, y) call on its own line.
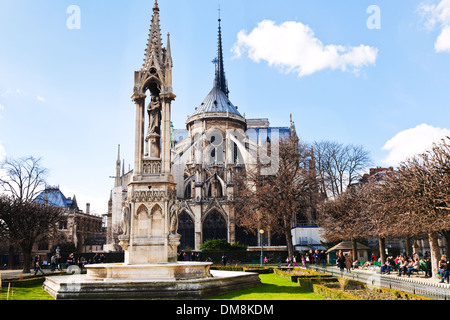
point(150, 211)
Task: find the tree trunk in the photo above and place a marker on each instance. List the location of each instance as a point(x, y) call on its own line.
point(354, 250)
point(408, 246)
point(26, 251)
point(435, 253)
point(446, 234)
point(382, 246)
point(290, 246)
point(10, 256)
point(26, 262)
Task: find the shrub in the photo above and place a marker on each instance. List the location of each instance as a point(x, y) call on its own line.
point(221, 245)
point(333, 294)
point(66, 249)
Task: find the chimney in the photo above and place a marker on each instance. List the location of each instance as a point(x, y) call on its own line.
point(88, 208)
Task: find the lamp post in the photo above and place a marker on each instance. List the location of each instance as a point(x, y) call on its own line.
point(261, 232)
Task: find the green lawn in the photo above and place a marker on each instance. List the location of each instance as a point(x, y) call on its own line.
point(273, 287)
point(32, 292)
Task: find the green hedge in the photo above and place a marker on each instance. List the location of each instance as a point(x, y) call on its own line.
point(333, 294)
point(260, 270)
point(221, 245)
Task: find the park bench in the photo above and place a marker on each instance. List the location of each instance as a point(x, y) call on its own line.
point(373, 265)
point(423, 268)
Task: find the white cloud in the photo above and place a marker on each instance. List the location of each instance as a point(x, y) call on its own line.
point(437, 14)
point(443, 41)
point(411, 142)
point(40, 98)
point(2, 107)
point(293, 48)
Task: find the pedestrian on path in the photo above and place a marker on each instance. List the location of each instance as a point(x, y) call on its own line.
point(348, 262)
point(53, 262)
point(37, 265)
point(340, 261)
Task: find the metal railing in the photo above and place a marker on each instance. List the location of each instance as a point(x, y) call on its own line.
point(439, 291)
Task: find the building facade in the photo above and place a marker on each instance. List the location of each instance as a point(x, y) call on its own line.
point(83, 229)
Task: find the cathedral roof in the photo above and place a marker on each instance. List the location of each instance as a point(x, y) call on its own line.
point(216, 101)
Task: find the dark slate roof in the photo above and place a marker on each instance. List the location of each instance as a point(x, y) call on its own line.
point(217, 101)
point(55, 197)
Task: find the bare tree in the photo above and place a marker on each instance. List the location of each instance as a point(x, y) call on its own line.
point(23, 178)
point(272, 202)
point(412, 201)
point(341, 217)
point(425, 184)
point(25, 223)
point(338, 166)
point(23, 220)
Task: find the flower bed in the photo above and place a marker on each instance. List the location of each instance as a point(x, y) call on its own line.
point(340, 288)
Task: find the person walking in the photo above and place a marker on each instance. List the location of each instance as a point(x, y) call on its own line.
point(316, 257)
point(323, 258)
point(53, 262)
point(58, 261)
point(71, 260)
point(37, 265)
point(340, 261)
point(348, 262)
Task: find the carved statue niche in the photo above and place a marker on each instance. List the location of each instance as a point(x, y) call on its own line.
point(152, 141)
point(126, 220)
point(154, 114)
point(174, 209)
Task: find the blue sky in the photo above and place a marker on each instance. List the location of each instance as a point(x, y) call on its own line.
point(65, 93)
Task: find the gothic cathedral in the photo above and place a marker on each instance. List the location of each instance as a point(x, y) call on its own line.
point(197, 165)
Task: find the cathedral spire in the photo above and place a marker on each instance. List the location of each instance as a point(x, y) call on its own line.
point(154, 50)
point(220, 81)
point(117, 177)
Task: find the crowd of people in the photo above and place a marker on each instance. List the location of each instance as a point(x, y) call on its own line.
point(56, 262)
point(315, 257)
point(194, 256)
point(403, 264)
